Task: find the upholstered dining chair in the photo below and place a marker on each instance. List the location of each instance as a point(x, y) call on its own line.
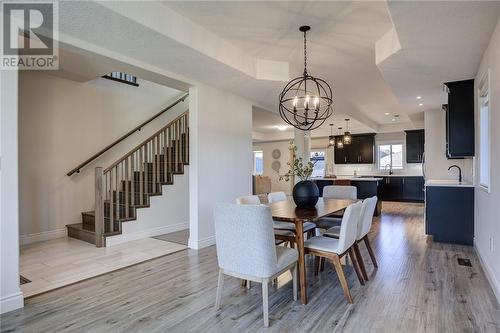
point(278, 225)
point(246, 249)
point(364, 226)
point(334, 249)
point(336, 192)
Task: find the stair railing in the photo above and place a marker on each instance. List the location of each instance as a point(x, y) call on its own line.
point(128, 183)
point(126, 135)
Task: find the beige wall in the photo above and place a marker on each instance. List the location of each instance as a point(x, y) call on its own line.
point(487, 225)
point(61, 123)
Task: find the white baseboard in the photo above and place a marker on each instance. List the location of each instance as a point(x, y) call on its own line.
point(42, 236)
point(200, 244)
point(11, 302)
point(488, 270)
point(152, 232)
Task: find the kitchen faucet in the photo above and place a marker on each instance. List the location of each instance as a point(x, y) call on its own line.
point(390, 168)
point(459, 172)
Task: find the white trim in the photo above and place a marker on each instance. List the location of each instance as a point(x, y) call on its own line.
point(199, 244)
point(152, 232)
point(488, 270)
point(11, 302)
point(42, 236)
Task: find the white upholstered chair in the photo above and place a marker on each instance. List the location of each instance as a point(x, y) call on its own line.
point(334, 249)
point(364, 226)
point(278, 225)
point(336, 192)
point(246, 249)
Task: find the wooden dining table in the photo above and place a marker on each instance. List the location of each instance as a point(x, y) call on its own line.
point(287, 211)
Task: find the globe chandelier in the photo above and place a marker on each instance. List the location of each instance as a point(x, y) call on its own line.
point(306, 101)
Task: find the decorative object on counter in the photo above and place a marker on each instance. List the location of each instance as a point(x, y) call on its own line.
point(306, 101)
point(347, 138)
point(331, 138)
point(276, 154)
point(340, 144)
point(305, 193)
point(276, 165)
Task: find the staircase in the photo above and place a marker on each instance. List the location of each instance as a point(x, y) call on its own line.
point(129, 183)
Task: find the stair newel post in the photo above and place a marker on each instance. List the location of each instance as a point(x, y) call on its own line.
point(158, 160)
point(141, 175)
point(165, 160)
point(99, 208)
point(111, 199)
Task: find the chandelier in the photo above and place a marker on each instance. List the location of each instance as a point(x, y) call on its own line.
point(340, 143)
point(306, 101)
point(347, 138)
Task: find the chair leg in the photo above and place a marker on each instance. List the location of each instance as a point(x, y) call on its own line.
point(322, 264)
point(265, 302)
point(220, 284)
point(360, 261)
point(249, 284)
point(355, 265)
point(294, 281)
point(243, 282)
point(370, 250)
point(343, 281)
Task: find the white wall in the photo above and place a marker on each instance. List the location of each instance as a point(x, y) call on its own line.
point(62, 123)
point(436, 163)
point(10, 293)
point(220, 156)
point(487, 226)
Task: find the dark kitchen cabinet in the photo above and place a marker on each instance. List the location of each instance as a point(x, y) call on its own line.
point(415, 140)
point(460, 119)
point(409, 188)
point(360, 151)
point(449, 214)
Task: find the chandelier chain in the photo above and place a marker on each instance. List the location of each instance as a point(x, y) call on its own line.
point(305, 54)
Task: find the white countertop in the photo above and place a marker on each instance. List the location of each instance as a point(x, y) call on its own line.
point(367, 179)
point(447, 182)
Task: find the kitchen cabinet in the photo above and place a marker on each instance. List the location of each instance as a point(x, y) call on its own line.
point(460, 119)
point(404, 188)
point(415, 140)
point(360, 151)
point(449, 214)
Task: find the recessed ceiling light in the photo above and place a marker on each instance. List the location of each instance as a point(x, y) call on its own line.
point(420, 104)
point(387, 113)
point(419, 97)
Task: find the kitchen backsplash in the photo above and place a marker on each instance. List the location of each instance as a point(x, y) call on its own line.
point(369, 169)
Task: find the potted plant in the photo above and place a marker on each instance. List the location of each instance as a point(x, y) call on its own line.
point(305, 193)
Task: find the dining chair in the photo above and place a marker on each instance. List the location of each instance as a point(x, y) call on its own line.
point(335, 248)
point(336, 192)
point(279, 225)
point(364, 226)
point(246, 250)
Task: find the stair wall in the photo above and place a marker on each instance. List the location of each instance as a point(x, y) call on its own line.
point(167, 213)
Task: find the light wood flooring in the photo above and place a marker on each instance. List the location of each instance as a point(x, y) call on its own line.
point(179, 237)
point(64, 261)
point(418, 287)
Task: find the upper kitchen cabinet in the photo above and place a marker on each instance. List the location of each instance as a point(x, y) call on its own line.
point(460, 119)
point(415, 140)
point(360, 151)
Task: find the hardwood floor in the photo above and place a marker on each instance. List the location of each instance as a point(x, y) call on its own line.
point(418, 287)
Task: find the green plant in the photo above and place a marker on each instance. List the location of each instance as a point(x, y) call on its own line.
point(298, 168)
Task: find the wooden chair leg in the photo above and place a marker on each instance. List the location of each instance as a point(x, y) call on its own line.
point(294, 281)
point(370, 250)
point(321, 264)
point(360, 261)
point(265, 302)
point(243, 283)
point(220, 284)
point(343, 281)
point(316, 265)
point(355, 265)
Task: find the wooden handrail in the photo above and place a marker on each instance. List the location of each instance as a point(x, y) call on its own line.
point(120, 139)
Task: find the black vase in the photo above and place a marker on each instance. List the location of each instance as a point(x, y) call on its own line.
point(305, 194)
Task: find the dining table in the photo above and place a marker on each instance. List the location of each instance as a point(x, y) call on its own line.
point(287, 211)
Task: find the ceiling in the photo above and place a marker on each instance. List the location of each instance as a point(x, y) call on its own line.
point(377, 55)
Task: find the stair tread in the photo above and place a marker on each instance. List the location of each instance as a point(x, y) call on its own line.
point(79, 226)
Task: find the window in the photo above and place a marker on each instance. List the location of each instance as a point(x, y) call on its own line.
point(318, 158)
point(484, 133)
point(258, 162)
point(390, 155)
